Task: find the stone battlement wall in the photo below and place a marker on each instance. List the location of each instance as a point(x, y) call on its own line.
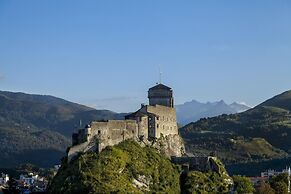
point(113, 132)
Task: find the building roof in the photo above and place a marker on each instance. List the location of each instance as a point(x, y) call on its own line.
point(160, 86)
point(140, 113)
point(134, 114)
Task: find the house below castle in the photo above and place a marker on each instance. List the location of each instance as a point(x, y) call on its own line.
point(149, 124)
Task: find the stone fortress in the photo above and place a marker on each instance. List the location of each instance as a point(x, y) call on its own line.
point(154, 124)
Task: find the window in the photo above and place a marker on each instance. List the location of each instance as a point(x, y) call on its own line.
point(157, 125)
point(99, 132)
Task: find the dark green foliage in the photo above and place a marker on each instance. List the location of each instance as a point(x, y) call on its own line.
point(280, 187)
point(203, 183)
point(264, 188)
point(114, 170)
point(242, 185)
point(280, 183)
point(36, 125)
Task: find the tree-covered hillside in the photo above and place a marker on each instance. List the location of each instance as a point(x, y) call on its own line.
point(130, 168)
point(125, 168)
point(37, 129)
point(261, 133)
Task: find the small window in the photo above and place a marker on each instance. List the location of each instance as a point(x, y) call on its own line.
point(99, 132)
point(157, 125)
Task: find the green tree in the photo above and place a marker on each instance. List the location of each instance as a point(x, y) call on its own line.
point(280, 183)
point(203, 183)
point(242, 185)
point(280, 187)
point(264, 188)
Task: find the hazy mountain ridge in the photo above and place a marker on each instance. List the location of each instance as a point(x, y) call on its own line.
point(40, 125)
point(194, 110)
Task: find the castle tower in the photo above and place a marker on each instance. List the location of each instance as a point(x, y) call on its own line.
point(161, 95)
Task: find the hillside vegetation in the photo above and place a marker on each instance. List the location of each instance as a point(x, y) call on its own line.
point(125, 168)
point(130, 168)
point(259, 134)
point(36, 125)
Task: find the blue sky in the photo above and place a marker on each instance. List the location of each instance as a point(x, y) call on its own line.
point(107, 54)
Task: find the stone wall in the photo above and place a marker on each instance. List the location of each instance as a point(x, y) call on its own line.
point(102, 134)
point(204, 163)
point(166, 122)
point(113, 132)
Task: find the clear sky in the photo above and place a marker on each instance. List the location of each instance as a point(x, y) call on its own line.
point(107, 54)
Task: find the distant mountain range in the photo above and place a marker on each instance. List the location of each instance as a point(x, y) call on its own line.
point(194, 110)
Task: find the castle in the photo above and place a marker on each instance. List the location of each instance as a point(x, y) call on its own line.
point(149, 124)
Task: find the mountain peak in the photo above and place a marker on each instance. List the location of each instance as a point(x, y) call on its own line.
point(194, 110)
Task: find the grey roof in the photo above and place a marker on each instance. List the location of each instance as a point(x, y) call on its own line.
point(137, 113)
point(160, 86)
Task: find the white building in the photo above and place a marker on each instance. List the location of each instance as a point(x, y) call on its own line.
point(4, 179)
